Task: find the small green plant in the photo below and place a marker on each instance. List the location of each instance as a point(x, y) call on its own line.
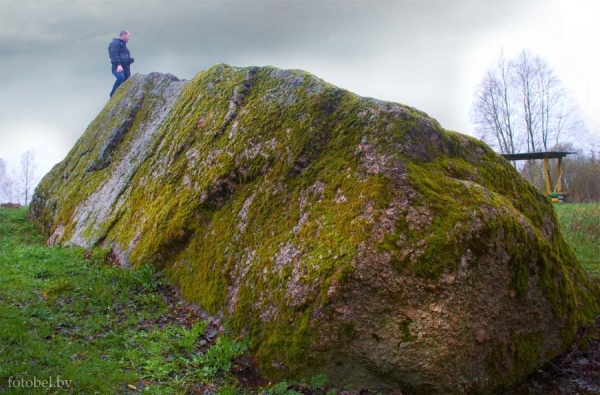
point(99, 255)
point(158, 368)
point(318, 381)
point(147, 277)
point(219, 357)
point(57, 289)
point(150, 300)
point(189, 338)
point(282, 388)
point(227, 390)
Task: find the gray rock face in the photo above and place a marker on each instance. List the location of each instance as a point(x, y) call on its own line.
point(341, 234)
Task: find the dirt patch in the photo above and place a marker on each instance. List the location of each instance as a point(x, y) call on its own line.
point(577, 371)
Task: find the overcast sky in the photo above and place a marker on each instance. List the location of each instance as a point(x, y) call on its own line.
point(430, 54)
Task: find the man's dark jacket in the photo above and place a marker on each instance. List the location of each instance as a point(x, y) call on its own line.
point(119, 53)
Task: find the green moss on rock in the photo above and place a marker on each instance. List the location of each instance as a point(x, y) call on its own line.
point(341, 234)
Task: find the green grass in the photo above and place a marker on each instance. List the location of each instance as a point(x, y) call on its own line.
point(66, 313)
point(102, 329)
point(581, 227)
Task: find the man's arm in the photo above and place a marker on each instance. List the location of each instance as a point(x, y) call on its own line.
point(115, 53)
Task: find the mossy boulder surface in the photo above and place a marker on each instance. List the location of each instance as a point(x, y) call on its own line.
point(343, 235)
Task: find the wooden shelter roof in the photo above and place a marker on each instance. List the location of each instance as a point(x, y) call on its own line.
point(537, 155)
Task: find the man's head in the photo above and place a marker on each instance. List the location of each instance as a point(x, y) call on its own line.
point(125, 35)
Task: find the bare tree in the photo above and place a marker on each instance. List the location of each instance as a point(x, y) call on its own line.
point(27, 175)
point(493, 108)
point(7, 183)
point(555, 108)
point(521, 103)
point(3, 176)
point(525, 82)
point(3, 179)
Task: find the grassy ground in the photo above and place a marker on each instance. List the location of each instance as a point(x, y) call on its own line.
point(73, 323)
point(70, 321)
point(581, 227)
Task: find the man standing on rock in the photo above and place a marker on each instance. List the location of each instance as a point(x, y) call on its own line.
point(120, 58)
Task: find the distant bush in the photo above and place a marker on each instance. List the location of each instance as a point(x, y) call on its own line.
point(581, 178)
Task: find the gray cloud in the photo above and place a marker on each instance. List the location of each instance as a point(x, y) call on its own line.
point(55, 72)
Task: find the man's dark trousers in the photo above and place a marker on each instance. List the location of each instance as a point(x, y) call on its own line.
point(121, 77)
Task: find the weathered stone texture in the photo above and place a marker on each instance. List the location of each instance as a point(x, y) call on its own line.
point(342, 234)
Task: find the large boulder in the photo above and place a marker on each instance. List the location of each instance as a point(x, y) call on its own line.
point(343, 235)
